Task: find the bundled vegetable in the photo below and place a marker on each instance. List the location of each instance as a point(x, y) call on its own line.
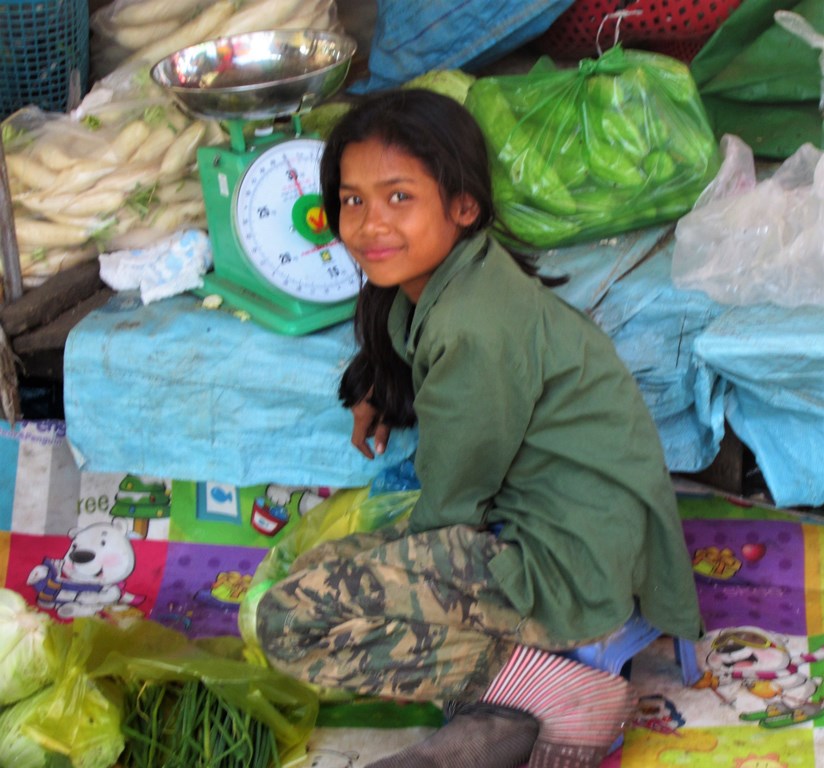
point(218, 695)
point(144, 696)
point(185, 724)
point(120, 171)
point(130, 31)
point(619, 143)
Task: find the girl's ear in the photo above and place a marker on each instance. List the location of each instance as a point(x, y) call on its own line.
point(465, 210)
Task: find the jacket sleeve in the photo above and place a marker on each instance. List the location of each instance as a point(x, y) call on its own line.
point(474, 402)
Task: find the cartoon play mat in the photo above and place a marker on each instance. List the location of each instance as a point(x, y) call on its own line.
point(185, 553)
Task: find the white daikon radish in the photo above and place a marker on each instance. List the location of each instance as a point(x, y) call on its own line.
point(183, 150)
point(135, 37)
point(205, 25)
point(155, 145)
point(30, 173)
point(152, 11)
point(129, 139)
point(32, 233)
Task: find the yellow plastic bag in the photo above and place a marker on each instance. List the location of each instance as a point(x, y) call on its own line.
point(351, 510)
point(105, 666)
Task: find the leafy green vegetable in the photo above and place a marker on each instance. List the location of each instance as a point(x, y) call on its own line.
point(92, 122)
point(17, 747)
point(141, 198)
point(454, 83)
point(10, 133)
point(24, 661)
point(323, 118)
point(79, 717)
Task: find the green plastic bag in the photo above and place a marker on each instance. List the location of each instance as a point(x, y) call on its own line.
point(618, 143)
point(760, 82)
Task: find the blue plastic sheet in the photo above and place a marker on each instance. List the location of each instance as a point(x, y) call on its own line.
point(769, 363)
point(173, 390)
point(654, 326)
point(414, 36)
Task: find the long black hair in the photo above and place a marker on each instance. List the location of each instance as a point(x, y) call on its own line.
point(444, 136)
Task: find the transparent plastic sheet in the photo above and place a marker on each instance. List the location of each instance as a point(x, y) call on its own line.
point(619, 143)
point(80, 714)
point(351, 510)
point(752, 242)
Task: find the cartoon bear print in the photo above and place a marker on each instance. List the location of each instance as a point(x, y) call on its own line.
point(91, 575)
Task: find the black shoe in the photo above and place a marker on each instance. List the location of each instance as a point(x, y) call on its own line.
point(476, 736)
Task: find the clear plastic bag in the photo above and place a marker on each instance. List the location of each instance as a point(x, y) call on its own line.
point(131, 31)
point(754, 242)
point(618, 143)
point(119, 172)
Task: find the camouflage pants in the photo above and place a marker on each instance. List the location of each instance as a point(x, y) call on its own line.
point(408, 616)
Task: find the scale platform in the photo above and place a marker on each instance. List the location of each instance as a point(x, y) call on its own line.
point(296, 320)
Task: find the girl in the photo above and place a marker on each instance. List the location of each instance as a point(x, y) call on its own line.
point(546, 513)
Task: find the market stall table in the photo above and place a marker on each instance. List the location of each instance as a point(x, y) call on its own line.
point(172, 389)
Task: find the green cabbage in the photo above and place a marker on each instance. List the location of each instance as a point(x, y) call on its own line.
point(322, 119)
point(24, 659)
point(17, 747)
point(454, 83)
point(81, 718)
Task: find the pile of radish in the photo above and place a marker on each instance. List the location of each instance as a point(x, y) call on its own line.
point(130, 31)
point(122, 175)
point(120, 170)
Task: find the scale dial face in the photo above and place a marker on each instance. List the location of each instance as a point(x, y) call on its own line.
point(282, 227)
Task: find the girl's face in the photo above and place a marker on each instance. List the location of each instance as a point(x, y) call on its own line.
point(393, 219)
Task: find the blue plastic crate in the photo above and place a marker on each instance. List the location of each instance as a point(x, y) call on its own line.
point(44, 53)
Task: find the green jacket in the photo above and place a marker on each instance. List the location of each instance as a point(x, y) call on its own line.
point(528, 418)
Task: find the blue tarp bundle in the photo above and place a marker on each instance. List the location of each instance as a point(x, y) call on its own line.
point(769, 363)
point(414, 36)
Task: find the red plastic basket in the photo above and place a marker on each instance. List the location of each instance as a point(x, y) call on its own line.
point(678, 28)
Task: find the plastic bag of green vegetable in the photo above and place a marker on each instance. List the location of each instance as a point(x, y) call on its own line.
point(618, 143)
point(18, 749)
point(146, 696)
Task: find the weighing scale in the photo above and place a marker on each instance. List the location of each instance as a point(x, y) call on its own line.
point(274, 255)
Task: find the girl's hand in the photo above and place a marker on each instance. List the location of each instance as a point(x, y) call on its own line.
point(367, 424)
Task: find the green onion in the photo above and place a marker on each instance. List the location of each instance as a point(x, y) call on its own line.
point(187, 725)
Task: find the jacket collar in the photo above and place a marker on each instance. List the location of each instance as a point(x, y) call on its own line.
point(405, 315)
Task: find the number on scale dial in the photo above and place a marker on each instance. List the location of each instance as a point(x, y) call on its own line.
point(282, 227)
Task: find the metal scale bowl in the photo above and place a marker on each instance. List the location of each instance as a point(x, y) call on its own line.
point(274, 256)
